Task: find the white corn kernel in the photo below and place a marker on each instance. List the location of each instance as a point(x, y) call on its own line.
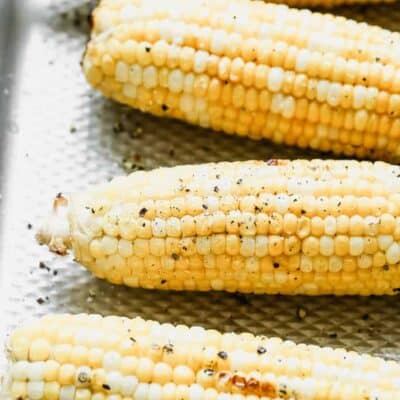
point(275, 79)
point(111, 361)
point(129, 385)
point(121, 72)
point(35, 390)
point(67, 392)
point(393, 253)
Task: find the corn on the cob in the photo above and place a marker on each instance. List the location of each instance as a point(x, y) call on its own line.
point(253, 69)
point(85, 357)
point(290, 227)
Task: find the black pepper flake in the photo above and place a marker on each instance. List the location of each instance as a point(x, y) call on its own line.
point(168, 348)
point(106, 387)
point(217, 176)
point(29, 226)
point(365, 317)
point(209, 371)
point(223, 355)
point(164, 107)
point(239, 181)
point(303, 211)
point(216, 189)
point(261, 350)
point(72, 129)
point(333, 335)
point(55, 272)
point(118, 127)
point(59, 195)
point(143, 212)
point(163, 281)
point(42, 265)
point(175, 256)
point(205, 206)
point(40, 300)
point(133, 340)
point(147, 48)
point(276, 265)
point(377, 59)
point(282, 391)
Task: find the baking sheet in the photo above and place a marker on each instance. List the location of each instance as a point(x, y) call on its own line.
point(57, 135)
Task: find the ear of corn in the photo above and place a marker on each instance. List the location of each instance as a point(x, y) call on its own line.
point(253, 69)
point(291, 227)
point(87, 357)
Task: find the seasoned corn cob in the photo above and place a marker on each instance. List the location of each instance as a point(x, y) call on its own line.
point(290, 227)
point(85, 357)
point(253, 69)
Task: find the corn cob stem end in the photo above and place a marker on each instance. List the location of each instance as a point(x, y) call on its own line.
point(55, 230)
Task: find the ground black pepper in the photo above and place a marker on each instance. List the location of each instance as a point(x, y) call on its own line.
point(143, 212)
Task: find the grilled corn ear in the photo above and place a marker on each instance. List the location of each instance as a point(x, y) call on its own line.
point(89, 357)
point(291, 227)
point(253, 69)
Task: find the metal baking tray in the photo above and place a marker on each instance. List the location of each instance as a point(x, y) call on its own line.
point(57, 135)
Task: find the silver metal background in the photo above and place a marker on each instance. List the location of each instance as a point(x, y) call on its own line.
point(42, 96)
